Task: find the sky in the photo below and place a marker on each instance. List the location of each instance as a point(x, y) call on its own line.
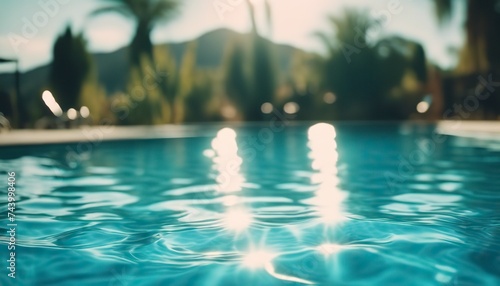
point(28, 28)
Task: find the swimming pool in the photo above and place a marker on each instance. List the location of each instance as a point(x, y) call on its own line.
point(320, 204)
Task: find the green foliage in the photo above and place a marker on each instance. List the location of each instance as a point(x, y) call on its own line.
point(250, 74)
point(236, 83)
point(70, 67)
point(144, 102)
point(263, 77)
point(167, 77)
point(363, 72)
point(93, 96)
point(187, 78)
point(199, 102)
point(480, 52)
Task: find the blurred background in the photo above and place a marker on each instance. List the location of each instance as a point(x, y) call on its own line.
point(67, 63)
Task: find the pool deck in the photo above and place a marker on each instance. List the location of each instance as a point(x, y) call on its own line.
point(477, 129)
point(472, 129)
point(96, 134)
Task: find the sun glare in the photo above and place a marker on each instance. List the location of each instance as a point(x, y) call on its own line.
point(329, 248)
point(237, 219)
point(258, 259)
point(328, 198)
point(226, 161)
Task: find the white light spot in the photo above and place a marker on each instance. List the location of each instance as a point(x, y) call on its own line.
point(209, 153)
point(329, 248)
point(291, 107)
point(258, 259)
point(329, 98)
point(422, 107)
point(84, 111)
point(321, 131)
point(227, 133)
point(443, 278)
point(237, 219)
point(230, 200)
point(72, 113)
point(266, 108)
point(226, 161)
point(51, 103)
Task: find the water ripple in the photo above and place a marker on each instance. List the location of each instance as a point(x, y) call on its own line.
point(314, 206)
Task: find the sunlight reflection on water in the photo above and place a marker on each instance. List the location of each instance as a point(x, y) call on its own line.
point(311, 207)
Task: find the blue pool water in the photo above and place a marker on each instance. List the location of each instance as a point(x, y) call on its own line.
point(309, 204)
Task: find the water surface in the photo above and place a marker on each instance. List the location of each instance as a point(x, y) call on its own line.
point(342, 204)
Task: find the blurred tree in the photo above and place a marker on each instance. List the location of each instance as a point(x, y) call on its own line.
point(5, 103)
point(166, 76)
point(236, 82)
point(480, 52)
point(93, 96)
point(146, 13)
point(187, 79)
point(144, 103)
point(263, 73)
point(303, 82)
point(365, 73)
point(348, 70)
point(70, 67)
point(199, 101)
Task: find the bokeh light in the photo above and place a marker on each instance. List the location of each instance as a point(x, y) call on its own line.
point(84, 112)
point(72, 114)
point(51, 103)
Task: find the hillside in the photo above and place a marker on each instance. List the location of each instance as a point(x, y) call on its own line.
point(113, 67)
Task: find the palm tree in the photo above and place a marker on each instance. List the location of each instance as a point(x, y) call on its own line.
point(481, 48)
point(71, 66)
point(367, 74)
point(146, 13)
point(262, 67)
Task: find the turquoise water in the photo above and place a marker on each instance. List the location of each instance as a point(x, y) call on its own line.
point(342, 204)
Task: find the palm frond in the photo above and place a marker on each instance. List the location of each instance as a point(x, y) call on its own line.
point(163, 10)
point(351, 21)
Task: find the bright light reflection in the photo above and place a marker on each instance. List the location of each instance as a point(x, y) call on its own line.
point(329, 98)
point(237, 219)
point(262, 259)
point(226, 161)
point(84, 111)
point(321, 130)
point(72, 113)
point(51, 103)
point(328, 198)
point(422, 107)
point(329, 248)
point(230, 200)
point(266, 108)
point(209, 153)
point(258, 259)
point(213, 254)
point(291, 107)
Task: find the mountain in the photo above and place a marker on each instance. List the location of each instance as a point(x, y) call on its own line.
point(113, 67)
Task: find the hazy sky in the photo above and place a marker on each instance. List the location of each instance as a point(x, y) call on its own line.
point(294, 22)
